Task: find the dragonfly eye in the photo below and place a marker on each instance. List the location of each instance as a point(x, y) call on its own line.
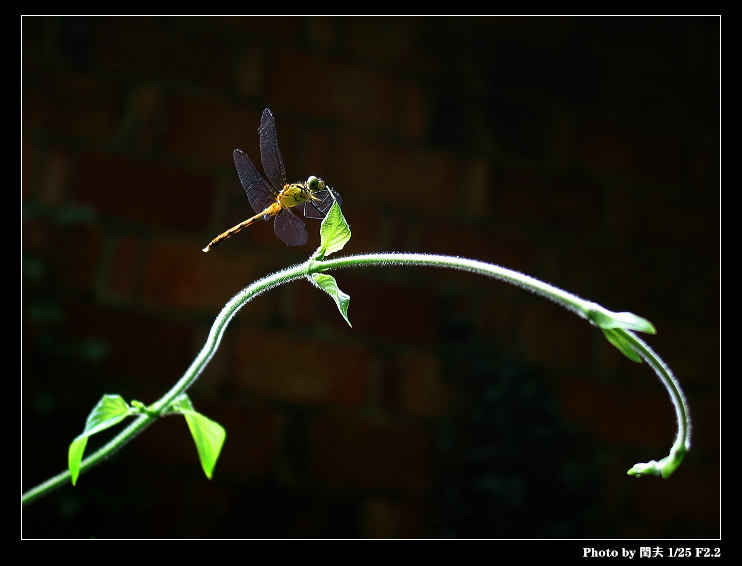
point(315, 184)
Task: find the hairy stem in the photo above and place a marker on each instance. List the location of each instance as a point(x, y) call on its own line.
point(585, 309)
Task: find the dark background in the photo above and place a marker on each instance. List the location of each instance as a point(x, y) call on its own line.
point(581, 151)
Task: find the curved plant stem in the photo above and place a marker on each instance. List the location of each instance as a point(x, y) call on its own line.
point(681, 445)
point(616, 326)
point(189, 377)
point(94, 459)
point(220, 325)
point(619, 324)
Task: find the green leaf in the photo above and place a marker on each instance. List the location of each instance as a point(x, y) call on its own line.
point(672, 462)
point(334, 232)
point(663, 468)
point(182, 403)
point(609, 320)
point(74, 456)
point(109, 411)
point(617, 337)
point(208, 435)
point(651, 468)
point(630, 321)
point(328, 284)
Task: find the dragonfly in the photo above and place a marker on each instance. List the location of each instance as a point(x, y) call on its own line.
point(275, 198)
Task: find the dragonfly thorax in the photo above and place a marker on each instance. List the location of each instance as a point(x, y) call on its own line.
point(298, 193)
point(293, 194)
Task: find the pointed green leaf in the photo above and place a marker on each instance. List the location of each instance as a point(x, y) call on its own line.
point(608, 320)
point(183, 403)
point(208, 435)
point(74, 456)
point(664, 467)
point(209, 438)
point(334, 232)
point(618, 339)
point(110, 410)
point(651, 468)
point(630, 321)
point(328, 284)
point(672, 462)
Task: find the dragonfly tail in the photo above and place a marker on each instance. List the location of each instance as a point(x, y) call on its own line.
point(265, 215)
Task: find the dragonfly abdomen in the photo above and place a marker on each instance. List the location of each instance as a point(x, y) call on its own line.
point(267, 214)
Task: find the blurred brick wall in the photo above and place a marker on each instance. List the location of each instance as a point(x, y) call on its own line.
point(582, 151)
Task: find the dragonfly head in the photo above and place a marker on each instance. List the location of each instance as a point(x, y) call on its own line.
point(315, 184)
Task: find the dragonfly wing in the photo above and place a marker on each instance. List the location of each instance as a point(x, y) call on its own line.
point(290, 228)
point(270, 155)
point(260, 194)
point(320, 208)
